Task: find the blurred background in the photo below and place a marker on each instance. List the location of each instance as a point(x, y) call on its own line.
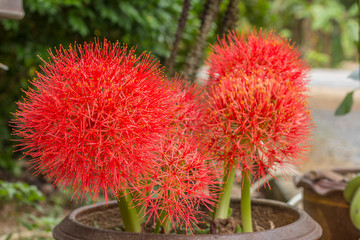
point(178, 33)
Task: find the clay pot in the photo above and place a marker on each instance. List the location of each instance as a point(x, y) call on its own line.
point(290, 223)
point(324, 201)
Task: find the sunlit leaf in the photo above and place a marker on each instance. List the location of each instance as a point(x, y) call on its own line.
point(345, 105)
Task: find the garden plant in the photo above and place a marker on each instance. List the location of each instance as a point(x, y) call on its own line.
point(257, 111)
point(102, 120)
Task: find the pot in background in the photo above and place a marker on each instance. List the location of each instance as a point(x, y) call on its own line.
point(323, 200)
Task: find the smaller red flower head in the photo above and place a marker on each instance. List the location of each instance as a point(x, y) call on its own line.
point(93, 116)
point(184, 175)
point(183, 178)
point(255, 51)
point(258, 122)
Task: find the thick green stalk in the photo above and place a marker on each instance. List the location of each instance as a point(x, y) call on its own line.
point(246, 203)
point(129, 213)
point(222, 209)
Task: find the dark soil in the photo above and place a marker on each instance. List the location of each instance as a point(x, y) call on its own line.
point(264, 218)
point(106, 219)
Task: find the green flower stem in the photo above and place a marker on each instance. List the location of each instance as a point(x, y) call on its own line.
point(157, 226)
point(128, 213)
point(222, 209)
point(165, 223)
point(246, 203)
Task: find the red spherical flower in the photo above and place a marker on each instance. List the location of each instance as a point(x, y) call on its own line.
point(93, 116)
point(255, 51)
point(258, 121)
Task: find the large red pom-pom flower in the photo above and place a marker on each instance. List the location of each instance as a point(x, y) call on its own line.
point(257, 109)
point(93, 115)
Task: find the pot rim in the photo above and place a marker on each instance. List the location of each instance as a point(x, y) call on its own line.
point(303, 218)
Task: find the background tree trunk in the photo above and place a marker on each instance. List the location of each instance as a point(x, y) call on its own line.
point(230, 18)
point(169, 66)
point(208, 16)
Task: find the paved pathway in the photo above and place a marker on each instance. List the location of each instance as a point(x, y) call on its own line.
point(336, 139)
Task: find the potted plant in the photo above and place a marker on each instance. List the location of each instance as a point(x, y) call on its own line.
point(257, 115)
point(326, 197)
point(102, 120)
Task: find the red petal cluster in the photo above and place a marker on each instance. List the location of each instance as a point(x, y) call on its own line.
point(256, 51)
point(257, 110)
point(93, 116)
point(184, 175)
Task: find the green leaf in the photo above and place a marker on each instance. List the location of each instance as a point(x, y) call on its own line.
point(78, 25)
point(345, 105)
point(230, 211)
point(8, 237)
point(131, 11)
point(348, 37)
point(109, 13)
point(27, 225)
point(239, 229)
point(355, 209)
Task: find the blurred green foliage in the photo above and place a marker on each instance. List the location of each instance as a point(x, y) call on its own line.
point(315, 25)
point(150, 25)
point(325, 30)
point(38, 219)
point(20, 193)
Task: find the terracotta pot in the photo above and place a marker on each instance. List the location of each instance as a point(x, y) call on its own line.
point(324, 201)
point(291, 223)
